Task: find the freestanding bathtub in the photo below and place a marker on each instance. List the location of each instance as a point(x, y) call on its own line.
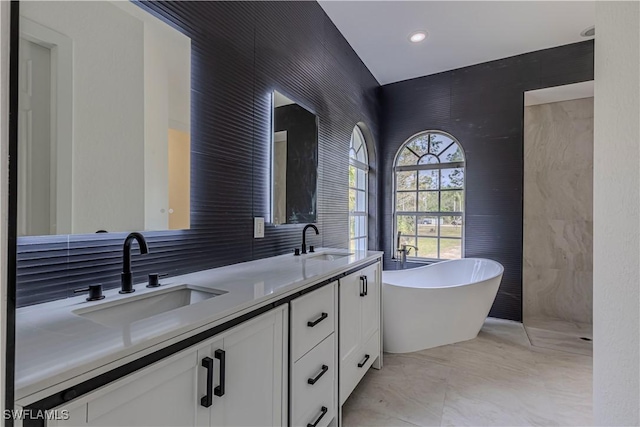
point(438, 304)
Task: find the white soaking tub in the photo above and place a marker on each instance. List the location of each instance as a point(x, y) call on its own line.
point(438, 304)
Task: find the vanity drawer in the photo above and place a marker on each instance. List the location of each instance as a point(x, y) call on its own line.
point(312, 319)
point(350, 370)
point(320, 416)
point(317, 366)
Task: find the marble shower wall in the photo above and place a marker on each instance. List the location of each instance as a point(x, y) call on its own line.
point(558, 211)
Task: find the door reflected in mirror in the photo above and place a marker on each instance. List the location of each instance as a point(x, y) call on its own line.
point(294, 163)
point(104, 119)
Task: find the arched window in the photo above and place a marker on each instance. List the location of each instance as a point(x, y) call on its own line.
point(358, 188)
point(429, 196)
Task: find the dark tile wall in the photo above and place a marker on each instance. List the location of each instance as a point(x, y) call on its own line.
point(482, 106)
point(241, 52)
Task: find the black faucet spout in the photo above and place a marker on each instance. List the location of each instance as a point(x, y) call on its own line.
point(304, 236)
point(126, 278)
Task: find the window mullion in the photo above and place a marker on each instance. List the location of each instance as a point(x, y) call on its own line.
point(439, 212)
point(429, 166)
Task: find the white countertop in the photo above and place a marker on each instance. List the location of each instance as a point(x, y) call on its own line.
point(54, 345)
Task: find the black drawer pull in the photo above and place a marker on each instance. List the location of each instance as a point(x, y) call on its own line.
point(312, 381)
point(318, 320)
point(364, 361)
point(323, 412)
point(220, 355)
point(364, 286)
point(207, 399)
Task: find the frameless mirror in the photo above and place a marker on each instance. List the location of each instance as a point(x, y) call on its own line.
point(104, 112)
point(294, 162)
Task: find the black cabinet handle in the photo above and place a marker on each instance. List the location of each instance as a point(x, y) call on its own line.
point(323, 412)
point(363, 280)
point(207, 399)
point(312, 381)
point(366, 285)
point(318, 320)
point(364, 361)
point(220, 355)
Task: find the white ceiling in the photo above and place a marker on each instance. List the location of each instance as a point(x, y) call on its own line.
point(461, 33)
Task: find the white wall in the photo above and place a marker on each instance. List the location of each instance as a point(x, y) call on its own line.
point(167, 85)
point(108, 118)
point(156, 138)
point(616, 320)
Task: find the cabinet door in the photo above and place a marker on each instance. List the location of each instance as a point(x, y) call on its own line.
point(370, 313)
point(350, 315)
point(163, 394)
point(170, 392)
point(254, 354)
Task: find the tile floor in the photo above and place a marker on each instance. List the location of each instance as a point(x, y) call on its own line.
point(559, 334)
point(496, 379)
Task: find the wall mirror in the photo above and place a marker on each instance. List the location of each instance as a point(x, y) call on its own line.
point(104, 120)
point(294, 162)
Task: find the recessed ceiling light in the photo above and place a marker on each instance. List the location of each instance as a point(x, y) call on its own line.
point(418, 36)
point(589, 32)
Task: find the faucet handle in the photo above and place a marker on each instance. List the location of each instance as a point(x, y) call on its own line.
point(311, 249)
point(296, 252)
point(154, 279)
point(95, 292)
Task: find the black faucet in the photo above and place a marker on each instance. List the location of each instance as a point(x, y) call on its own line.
point(304, 236)
point(127, 276)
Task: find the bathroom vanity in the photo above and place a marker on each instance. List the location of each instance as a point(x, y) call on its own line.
point(277, 341)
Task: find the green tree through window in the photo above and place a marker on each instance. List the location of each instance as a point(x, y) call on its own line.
point(429, 196)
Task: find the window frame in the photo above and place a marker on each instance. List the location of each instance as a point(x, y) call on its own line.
point(417, 213)
point(359, 166)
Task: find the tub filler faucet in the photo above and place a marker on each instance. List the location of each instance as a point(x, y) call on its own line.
point(403, 251)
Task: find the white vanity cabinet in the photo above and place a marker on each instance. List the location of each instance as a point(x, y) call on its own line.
point(247, 364)
point(313, 367)
point(163, 394)
point(335, 339)
point(291, 363)
point(360, 311)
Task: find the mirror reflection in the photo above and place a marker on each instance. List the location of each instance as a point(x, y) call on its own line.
point(104, 113)
point(294, 155)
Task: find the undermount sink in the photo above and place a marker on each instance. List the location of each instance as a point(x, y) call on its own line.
point(137, 307)
point(329, 256)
